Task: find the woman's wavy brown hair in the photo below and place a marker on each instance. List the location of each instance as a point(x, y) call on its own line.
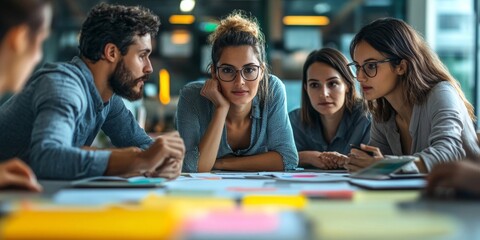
point(397, 40)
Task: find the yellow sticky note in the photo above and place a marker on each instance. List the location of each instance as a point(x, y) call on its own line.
point(275, 201)
point(91, 223)
point(187, 204)
point(375, 220)
point(386, 196)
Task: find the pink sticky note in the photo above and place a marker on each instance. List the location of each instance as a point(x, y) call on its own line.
point(233, 222)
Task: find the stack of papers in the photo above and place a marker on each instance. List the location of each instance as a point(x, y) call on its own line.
point(310, 177)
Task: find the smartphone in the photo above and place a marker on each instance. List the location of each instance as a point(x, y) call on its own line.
point(358, 147)
point(384, 168)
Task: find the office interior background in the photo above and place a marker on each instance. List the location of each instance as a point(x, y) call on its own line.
point(293, 28)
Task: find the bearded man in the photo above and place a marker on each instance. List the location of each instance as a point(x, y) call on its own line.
point(53, 121)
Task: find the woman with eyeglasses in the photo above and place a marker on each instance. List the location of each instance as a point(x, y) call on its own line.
point(418, 107)
point(332, 115)
point(24, 25)
point(237, 119)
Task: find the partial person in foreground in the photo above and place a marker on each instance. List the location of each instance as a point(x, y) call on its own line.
point(456, 179)
point(237, 119)
point(64, 105)
point(24, 25)
point(418, 108)
point(332, 116)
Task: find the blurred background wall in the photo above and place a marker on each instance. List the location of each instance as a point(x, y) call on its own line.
point(293, 28)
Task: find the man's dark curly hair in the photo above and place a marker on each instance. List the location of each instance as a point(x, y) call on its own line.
point(115, 24)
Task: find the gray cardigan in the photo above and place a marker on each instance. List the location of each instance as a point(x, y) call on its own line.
point(441, 130)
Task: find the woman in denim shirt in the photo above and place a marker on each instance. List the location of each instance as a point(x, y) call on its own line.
point(332, 116)
point(237, 119)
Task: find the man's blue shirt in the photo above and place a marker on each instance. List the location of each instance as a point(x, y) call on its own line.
point(58, 112)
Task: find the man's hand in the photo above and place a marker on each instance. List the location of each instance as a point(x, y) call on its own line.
point(171, 169)
point(154, 161)
point(15, 172)
point(165, 156)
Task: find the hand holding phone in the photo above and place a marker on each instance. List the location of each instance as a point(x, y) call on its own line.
point(358, 147)
point(384, 168)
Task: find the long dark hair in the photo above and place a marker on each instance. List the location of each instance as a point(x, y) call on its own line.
point(397, 40)
point(337, 61)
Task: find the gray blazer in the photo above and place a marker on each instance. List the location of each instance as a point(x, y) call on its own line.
point(441, 130)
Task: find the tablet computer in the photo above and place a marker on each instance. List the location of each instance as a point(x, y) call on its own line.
point(384, 168)
point(407, 175)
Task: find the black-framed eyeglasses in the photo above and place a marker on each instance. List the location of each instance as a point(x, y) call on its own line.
point(369, 68)
point(228, 73)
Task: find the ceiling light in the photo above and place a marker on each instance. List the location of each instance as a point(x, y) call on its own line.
point(187, 5)
point(306, 20)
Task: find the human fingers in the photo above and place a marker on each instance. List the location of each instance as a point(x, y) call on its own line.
point(360, 153)
point(336, 154)
point(171, 147)
point(327, 161)
point(337, 158)
point(465, 176)
point(206, 88)
point(375, 150)
point(318, 162)
point(356, 162)
point(211, 89)
point(351, 168)
point(170, 170)
point(174, 141)
point(340, 161)
point(158, 153)
point(19, 167)
point(170, 134)
point(13, 179)
point(438, 173)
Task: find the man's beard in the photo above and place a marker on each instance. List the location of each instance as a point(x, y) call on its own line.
point(123, 82)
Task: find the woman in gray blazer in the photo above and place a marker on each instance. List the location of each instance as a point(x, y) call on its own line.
point(418, 108)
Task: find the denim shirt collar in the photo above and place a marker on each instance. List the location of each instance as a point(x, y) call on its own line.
point(343, 128)
point(4, 97)
point(96, 98)
point(256, 108)
point(345, 123)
